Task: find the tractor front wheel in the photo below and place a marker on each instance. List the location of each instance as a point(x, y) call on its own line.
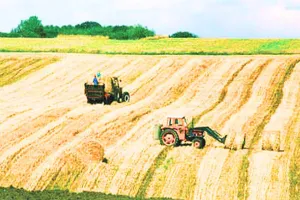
point(199, 143)
point(169, 138)
point(120, 100)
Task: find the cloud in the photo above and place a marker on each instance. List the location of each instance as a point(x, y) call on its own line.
point(279, 20)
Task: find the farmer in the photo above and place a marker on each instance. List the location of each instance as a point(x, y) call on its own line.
point(98, 74)
point(95, 81)
point(100, 81)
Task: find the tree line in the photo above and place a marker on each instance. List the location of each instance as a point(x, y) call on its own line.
point(33, 28)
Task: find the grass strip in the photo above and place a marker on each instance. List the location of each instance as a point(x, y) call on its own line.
point(21, 194)
point(159, 160)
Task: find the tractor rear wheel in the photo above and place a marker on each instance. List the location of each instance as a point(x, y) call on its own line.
point(169, 137)
point(199, 143)
point(126, 97)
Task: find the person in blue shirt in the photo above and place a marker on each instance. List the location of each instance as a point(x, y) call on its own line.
point(95, 81)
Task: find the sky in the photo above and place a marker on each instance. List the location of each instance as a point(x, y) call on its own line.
point(205, 18)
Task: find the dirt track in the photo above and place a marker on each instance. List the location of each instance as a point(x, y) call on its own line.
point(44, 117)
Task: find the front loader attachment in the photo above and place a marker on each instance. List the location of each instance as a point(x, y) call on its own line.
point(212, 133)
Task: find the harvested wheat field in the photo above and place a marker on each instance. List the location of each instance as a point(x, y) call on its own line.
point(50, 138)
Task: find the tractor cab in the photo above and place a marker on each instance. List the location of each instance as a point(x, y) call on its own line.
point(115, 82)
point(176, 121)
point(181, 122)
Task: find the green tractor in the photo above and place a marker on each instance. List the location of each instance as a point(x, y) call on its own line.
point(106, 92)
point(177, 130)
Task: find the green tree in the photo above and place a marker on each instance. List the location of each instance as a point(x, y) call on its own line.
point(88, 25)
point(138, 32)
point(31, 27)
point(51, 31)
point(183, 34)
point(9, 35)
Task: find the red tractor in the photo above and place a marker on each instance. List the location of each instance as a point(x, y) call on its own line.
point(177, 130)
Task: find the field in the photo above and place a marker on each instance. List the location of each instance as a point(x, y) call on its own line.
point(152, 46)
point(45, 118)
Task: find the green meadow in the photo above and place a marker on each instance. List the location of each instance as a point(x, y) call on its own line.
point(152, 46)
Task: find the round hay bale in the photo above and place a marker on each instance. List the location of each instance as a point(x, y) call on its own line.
point(90, 151)
point(108, 84)
point(271, 140)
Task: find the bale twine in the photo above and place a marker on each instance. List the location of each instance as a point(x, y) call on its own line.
point(271, 140)
point(90, 151)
